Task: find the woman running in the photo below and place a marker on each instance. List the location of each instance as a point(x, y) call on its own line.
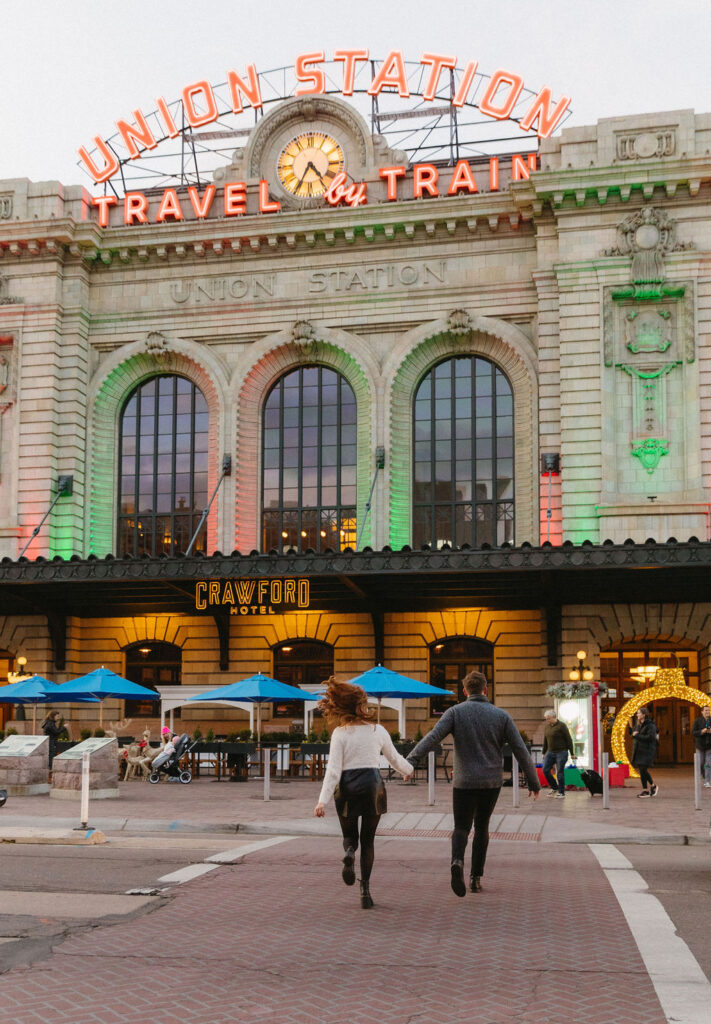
point(353, 776)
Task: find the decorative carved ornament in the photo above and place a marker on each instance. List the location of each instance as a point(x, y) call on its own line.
point(5, 298)
point(647, 236)
point(644, 145)
point(459, 322)
point(157, 344)
point(6, 207)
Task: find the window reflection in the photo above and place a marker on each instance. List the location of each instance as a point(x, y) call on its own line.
point(163, 467)
point(309, 462)
point(463, 476)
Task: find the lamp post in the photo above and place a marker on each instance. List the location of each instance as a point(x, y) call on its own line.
point(17, 677)
point(581, 670)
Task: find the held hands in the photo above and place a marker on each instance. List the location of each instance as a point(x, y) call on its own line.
point(319, 811)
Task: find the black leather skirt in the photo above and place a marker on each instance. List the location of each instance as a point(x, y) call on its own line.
point(360, 791)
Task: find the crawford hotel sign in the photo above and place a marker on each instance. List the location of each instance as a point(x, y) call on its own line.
point(445, 102)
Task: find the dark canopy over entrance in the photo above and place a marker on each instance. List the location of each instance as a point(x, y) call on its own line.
point(368, 581)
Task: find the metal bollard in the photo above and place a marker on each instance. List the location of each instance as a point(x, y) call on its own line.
point(85, 779)
point(431, 778)
point(514, 780)
point(697, 780)
point(606, 782)
point(267, 757)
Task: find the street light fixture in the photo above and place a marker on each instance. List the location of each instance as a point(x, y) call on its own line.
point(581, 671)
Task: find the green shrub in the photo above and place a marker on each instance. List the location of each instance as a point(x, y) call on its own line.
point(395, 736)
point(84, 734)
point(2, 735)
point(324, 736)
point(11, 732)
point(231, 737)
point(99, 733)
point(418, 735)
point(197, 734)
point(312, 737)
point(245, 735)
point(210, 738)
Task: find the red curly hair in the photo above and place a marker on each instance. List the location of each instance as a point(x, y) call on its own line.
point(344, 704)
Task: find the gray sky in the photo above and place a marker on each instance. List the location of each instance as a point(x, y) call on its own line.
point(70, 68)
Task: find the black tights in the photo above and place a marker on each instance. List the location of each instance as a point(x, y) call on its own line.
point(645, 778)
point(368, 828)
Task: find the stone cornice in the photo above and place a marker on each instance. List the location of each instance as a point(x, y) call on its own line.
point(484, 214)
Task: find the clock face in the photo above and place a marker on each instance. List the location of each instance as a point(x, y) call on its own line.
point(308, 164)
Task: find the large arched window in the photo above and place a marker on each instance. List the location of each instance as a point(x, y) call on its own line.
point(309, 462)
point(463, 455)
point(451, 660)
point(163, 467)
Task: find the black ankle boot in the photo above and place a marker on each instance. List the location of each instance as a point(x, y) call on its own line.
point(366, 900)
point(475, 883)
point(348, 873)
point(458, 886)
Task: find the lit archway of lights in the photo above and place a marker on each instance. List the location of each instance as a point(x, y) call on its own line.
point(660, 691)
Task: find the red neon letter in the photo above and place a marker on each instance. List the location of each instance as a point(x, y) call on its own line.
point(438, 62)
point(462, 179)
point(169, 207)
point(494, 174)
point(135, 206)
point(111, 164)
point(130, 133)
point(425, 180)
point(499, 78)
point(391, 174)
point(520, 171)
point(316, 78)
point(235, 199)
point(197, 88)
point(391, 75)
point(167, 117)
point(104, 202)
point(266, 205)
point(541, 110)
point(239, 89)
point(465, 84)
point(202, 208)
point(349, 58)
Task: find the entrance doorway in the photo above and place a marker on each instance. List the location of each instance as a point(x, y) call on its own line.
point(300, 663)
point(149, 664)
point(674, 718)
point(450, 661)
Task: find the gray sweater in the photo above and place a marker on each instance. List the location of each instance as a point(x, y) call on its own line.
point(480, 731)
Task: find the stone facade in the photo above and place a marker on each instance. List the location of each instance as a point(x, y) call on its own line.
point(588, 283)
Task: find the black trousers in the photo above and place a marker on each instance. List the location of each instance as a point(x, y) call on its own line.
point(472, 805)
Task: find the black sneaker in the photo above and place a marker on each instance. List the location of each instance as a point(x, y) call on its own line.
point(654, 790)
point(644, 793)
point(458, 886)
point(475, 883)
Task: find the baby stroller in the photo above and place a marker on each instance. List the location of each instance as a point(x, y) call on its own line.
point(169, 764)
point(3, 797)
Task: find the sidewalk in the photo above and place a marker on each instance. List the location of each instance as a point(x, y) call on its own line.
point(280, 940)
point(206, 805)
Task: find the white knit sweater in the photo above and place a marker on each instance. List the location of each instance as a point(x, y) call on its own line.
point(359, 746)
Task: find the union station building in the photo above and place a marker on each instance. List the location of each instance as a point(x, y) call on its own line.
point(450, 417)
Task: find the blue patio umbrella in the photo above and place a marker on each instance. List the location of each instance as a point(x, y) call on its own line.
point(31, 690)
point(257, 689)
point(99, 684)
point(383, 682)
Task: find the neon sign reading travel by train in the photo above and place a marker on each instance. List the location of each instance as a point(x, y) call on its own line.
point(199, 106)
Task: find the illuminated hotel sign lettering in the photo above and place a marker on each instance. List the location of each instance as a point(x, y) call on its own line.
point(252, 597)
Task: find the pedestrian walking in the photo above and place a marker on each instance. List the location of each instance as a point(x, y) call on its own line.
point(353, 777)
point(644, 750)
point(701, 732)
point(557, 744)
point(51, 727)
point(480, 732)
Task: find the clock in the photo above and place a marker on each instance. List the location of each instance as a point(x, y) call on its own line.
point(308, 163)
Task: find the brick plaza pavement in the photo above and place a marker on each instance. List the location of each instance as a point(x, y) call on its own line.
point(279, 939)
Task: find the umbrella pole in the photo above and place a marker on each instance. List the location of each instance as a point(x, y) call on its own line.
point(259, 725)
point(34, 719)
point(101, 714)
point(380, 700)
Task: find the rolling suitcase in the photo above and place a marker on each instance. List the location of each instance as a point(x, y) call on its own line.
point(593, 781)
